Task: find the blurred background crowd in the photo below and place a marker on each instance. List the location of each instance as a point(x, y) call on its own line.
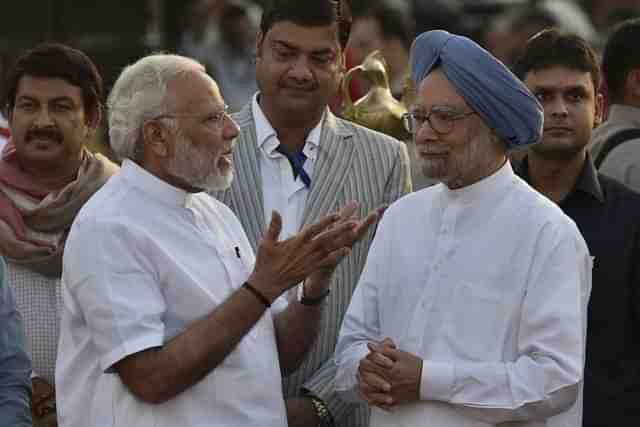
point(221, 33)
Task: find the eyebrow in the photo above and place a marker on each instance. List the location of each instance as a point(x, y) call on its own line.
point(56, 99)
point(552, 89)
point(439, 107)
point(286, 45)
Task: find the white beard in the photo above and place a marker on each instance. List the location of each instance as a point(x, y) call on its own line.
point(197, 167)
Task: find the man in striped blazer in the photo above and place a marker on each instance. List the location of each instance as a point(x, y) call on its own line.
point(294, 156)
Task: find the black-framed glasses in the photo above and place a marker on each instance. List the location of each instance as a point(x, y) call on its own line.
point(441, 120)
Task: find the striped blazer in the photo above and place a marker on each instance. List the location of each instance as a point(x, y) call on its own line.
point(353, 163)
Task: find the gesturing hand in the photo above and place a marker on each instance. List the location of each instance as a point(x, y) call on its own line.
point(361, 226)
point(388, 376)
point(282, 264)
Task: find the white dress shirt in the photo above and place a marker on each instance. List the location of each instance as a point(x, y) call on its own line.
point(143, 261)
point(280, 191)
point(487, 284)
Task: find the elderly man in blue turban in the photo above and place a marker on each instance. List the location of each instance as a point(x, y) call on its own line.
point(471, 308)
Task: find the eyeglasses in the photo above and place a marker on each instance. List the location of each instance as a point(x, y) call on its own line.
point(441, 120)
point(215, 120)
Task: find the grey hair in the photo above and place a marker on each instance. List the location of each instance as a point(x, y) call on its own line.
point(140, 94)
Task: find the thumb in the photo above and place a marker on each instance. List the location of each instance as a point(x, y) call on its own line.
point(275, 227)
point(388, 342)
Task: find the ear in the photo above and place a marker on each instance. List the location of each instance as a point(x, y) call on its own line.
point(633, 83)
point(94, 118)
point(259, 43)
point(599, 109)
point(155, 138)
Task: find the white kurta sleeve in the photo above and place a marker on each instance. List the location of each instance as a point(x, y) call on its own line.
point(112, 283)
point(361, 323)
point(545, 378)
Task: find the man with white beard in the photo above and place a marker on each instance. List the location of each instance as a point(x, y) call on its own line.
point(168, 318)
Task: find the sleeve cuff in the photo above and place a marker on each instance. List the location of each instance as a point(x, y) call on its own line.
point(129, 348)
point(347, 368)
point(437, 381)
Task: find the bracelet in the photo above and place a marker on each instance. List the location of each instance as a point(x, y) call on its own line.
point(257, 294)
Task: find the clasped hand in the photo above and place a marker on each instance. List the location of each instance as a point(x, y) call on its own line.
point(388, 377)
point(317, 249)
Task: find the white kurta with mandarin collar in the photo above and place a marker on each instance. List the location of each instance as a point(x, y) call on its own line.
point(489, 286)
point(143, 261)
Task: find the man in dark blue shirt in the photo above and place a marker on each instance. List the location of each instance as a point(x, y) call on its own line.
point(15, 366)
point(562, 71)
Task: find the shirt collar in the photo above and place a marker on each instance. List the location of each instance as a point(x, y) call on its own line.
point(587, 182)
point(495, 183)
point(154, 186)
point(266, 136)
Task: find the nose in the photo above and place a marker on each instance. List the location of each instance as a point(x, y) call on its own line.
point(300, 69)
point(425, 134)
point(231, 128)
point(43, 118)
point(557, 107)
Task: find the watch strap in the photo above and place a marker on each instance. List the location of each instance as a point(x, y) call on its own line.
point(305, 300)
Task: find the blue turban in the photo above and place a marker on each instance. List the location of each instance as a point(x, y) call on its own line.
point(495, 93)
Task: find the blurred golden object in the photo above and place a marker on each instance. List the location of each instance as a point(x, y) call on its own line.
point(378, 109)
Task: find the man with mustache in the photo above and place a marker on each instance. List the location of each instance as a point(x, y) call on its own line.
point(471, 309)
point(295, 156)
point(46, 175)
point(169, 319)
point(562, 71)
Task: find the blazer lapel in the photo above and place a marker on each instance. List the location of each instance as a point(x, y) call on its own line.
point(246, 190)
point(335, 153)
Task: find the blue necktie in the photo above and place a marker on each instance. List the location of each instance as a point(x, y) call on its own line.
point(297, 162)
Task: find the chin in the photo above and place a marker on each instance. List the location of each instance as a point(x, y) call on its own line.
point(434, 169)
point(217, 182)
point(557, 151)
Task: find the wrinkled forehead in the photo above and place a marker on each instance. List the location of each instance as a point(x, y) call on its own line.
point(436, 89)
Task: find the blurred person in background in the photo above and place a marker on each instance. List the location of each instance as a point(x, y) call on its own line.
point(15, 366)
point(386, 26)
point(53, 95)
point(604, 13)
point(201, 28)
point(615, 142)
point(509, 31)
point(231, 61)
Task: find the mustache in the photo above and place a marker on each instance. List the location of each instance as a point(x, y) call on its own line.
point(50, 134)
point(307, 86)
point(433, 150)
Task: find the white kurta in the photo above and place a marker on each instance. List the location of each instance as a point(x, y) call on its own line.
point(488, 285)
point(143, 261)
